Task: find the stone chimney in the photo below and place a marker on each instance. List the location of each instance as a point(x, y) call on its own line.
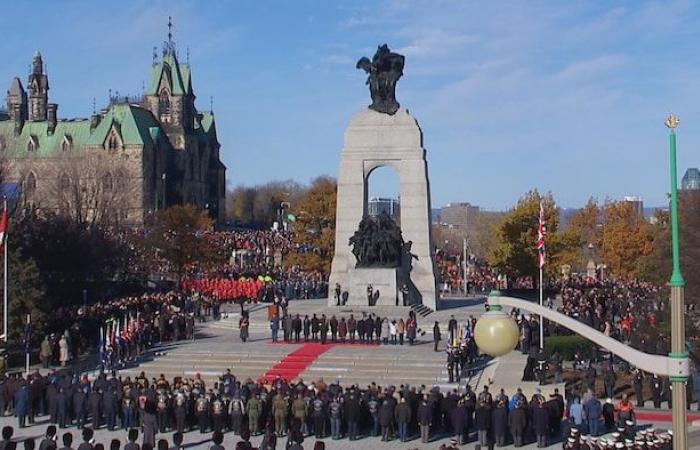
point(51, 117)
point(18, 118)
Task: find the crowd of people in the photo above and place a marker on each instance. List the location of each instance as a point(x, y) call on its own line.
point(122, 328)
point(365, 329)
point(297, 410)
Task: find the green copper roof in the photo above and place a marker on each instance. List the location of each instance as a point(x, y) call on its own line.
point(179, 76)
point(136, 125)
point(76, 132)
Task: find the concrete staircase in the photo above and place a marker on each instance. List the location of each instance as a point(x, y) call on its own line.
point(210, 364)
point(381, 364)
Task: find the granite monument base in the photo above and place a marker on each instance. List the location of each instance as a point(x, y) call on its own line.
point(385, 285)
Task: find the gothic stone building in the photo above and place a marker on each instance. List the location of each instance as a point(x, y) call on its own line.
point(133, 158)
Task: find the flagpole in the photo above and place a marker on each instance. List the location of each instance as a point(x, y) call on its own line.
point(5, 309)
point(27, 345)
point(541, 317)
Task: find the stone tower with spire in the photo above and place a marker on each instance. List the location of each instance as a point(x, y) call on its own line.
point(38, 90)
point(170, 96)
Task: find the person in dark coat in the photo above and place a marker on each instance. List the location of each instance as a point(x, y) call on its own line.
point(80, 407)
point(352, 414)
point(149, 423)
point(109, 407)
point(403, 418)
point(540, 419)
point(386, 418)
point(499, 419)
point(95, 402)
point(436, 335)
point(517, 419)
point(51, 392)
point(62, 408)
point(458, 418)
point(482, 420)
point(378, 328)
point(22, 405)
point(425, 419)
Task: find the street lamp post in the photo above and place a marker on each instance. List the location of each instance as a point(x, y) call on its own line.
point(677, 285)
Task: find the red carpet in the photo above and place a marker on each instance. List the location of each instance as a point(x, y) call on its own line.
point(662, 416)
point(296, 362)
point(299, 360)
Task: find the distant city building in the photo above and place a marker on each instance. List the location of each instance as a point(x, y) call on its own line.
point(459, 215)
point(637, 204)
point(379, 205)
point(691, 180)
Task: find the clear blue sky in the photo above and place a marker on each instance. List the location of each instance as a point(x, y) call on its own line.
point(565, 96)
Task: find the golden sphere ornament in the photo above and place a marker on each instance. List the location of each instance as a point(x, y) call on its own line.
point(496, 333)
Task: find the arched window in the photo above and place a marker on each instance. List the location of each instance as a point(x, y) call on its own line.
point(31, 145)
point(113, 142)
point(108, 182)
point(64, 182)
point(30, 184)
point(164, 104)
point(119, 179)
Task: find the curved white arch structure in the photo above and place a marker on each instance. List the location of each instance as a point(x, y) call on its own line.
point(658, 364)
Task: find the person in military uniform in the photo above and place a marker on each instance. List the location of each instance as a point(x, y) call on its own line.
point(253, 409)
point(319, 414)
point(499, 418)
point(299, 411)
point(279, 413)
point(163, 409)
point(236, 411)
point(324, 329)
point(217, 412)
point(180, 412)
point(452, 366)
point(335, 413)
point(638, 383)
point(542, 368)
point(201, 411)
point(656, 390)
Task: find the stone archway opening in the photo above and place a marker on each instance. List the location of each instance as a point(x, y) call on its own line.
point(383, 191)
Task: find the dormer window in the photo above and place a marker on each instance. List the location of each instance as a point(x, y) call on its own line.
point(67, 143)
point(31, 144)
point(113, 143)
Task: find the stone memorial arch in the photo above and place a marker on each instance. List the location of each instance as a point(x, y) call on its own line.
point(385, 135)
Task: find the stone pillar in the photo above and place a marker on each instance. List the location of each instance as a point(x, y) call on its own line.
point(374, 140)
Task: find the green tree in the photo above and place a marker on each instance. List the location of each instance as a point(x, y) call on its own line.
point(71, 257)
point(25, 293)
point(176, 234)
point(315, 225)
point(515, 252)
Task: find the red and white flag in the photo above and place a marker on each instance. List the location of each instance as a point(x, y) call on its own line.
point(541, 234)
point(4, 222)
